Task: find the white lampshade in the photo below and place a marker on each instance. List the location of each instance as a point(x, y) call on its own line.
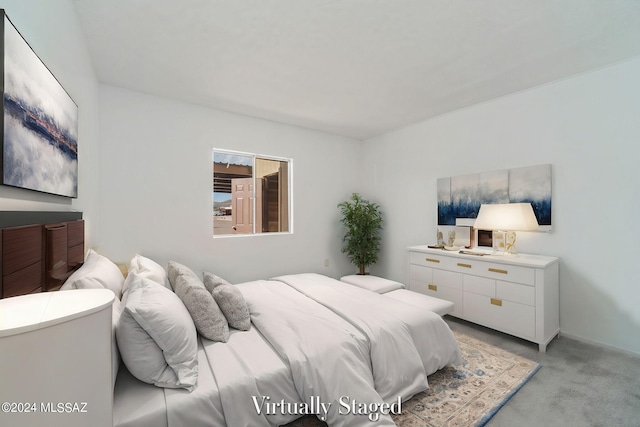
point(506, 217)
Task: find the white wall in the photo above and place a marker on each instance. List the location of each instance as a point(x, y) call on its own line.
point(52, 29)
point(144, 178)
point(156, 187)
point(588, 128)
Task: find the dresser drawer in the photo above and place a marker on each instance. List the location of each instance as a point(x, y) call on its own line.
point(507, 316)
point(420, 273)
point(515, 292)
point(476, 267)
point(447, 278)
point(419, 286)
point(511, 273)
point(479, 285)
point(431, 260)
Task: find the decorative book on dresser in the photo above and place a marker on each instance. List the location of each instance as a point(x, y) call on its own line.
point(515, 294)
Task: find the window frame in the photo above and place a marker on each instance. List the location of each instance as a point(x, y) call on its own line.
point(255, 156)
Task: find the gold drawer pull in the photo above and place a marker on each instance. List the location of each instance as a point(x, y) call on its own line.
point(496, 301)
point(433, 288)
point(464, 265)
point(497, 270)
point(432, 260)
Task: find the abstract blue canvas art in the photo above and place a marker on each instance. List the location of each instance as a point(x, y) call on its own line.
point(461, 196)
point(40, 123)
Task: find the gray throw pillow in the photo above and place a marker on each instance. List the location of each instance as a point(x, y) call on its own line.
point(230, 301)
point(175, 269)
point(211, 281)
point(207, 316)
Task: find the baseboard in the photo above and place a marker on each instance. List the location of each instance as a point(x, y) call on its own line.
point(599, 344)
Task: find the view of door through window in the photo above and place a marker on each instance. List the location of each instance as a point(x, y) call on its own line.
point(251, 194)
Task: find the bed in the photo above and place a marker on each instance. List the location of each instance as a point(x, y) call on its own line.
point(310, 344)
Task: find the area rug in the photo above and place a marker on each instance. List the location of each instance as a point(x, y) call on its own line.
point(461, 396)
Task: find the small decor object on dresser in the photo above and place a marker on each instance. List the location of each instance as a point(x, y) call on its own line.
point(40, 132)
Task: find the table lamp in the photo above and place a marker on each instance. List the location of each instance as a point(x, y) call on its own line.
point(505, 219)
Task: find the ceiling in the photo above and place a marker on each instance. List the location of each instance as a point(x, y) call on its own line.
point(357, 68)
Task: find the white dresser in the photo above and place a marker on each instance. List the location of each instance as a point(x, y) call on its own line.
point(55, 359)
point(515, 294)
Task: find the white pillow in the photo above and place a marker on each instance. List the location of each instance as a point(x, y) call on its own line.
point(372, 283)
point(116, 309)
point(150, 269)
point(156, 336)
point(97, 271)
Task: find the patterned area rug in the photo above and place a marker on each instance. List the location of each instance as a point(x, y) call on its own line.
point(467, 395)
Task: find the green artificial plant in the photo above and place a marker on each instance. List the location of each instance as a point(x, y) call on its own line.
point(363, 222)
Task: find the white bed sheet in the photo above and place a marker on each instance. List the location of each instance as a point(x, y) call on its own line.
point(246, 368)
point(244, 365)
point(137, 404)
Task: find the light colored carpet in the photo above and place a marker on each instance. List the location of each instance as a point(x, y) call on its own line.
point(569, 390)
point(463, 395)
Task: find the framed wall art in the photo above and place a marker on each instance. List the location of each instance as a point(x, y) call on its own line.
point(39, 122)
point(460, 197)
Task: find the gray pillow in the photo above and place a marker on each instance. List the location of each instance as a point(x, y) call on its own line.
point(211, 281)
point(175, 269)
point(230, 301)
point(206, 315)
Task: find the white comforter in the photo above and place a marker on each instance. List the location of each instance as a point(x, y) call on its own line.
point(349, 347)
point(376, 313)
point(328, 357)
point(316, 345)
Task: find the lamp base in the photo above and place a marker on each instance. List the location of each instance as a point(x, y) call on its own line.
point(504, 242)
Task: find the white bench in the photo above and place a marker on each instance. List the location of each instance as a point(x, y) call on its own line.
point(396, 291)
point(372, 283)
point(425, 302)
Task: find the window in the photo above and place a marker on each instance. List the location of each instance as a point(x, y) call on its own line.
point(251, 194)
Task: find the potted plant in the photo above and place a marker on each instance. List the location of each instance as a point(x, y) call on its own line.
point(363, 222)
